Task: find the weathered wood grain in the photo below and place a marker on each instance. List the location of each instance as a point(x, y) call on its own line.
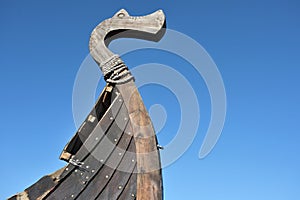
point(148, 25)
point(88, 125)
point(93, 153)
point(149, 178)
point(101, 181)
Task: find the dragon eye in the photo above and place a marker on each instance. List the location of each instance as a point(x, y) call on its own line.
point(121, 15)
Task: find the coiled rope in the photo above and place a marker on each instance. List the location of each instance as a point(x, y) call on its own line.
point(115, 71)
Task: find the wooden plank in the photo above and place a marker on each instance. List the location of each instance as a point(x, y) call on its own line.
point(121, 176)
point(73, 179)
point(102, 104)
point(39, 189)
point(129, 191)
point(149, 178)
point(110, 162)
point(105, 176)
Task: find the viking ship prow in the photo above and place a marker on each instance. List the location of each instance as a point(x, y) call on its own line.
point(114, 154)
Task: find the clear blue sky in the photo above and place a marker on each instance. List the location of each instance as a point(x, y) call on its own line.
point(255, 44)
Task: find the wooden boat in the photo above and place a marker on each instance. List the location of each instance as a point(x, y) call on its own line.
point(114, 154)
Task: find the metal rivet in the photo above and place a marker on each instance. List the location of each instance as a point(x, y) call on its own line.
point(67, 169)
point(132, 160)
point(121, 15)
point(120, 187)
point(87, 166)
point(111, 118)
point(72, 195)
point(132, 195)
point(87, 177)
point(125, 118)
point(129, 133)
point(96, 138)
point(93, 171)
point(115, 139)
point(76, 170)
point(106, 176)
point(101, 160)
point(120, 100)
point(81, 173)
point(120, 154)
point(91, 118)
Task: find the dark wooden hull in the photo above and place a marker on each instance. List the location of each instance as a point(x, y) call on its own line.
point(103, 163)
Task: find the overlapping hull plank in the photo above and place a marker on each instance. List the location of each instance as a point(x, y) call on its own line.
point(108, 149)
point(91, 121)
